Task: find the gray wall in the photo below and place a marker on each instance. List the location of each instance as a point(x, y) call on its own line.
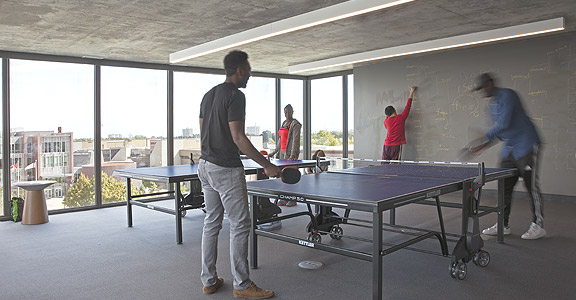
point(445, 114)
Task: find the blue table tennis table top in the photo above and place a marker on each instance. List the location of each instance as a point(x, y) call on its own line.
point(179, 173)
point(374, 184)
point(458, 172)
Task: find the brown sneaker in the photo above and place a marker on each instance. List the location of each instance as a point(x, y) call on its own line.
point(213, 288)
point(253, 292)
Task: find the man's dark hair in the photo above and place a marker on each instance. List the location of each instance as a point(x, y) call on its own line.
point(389, 110)
point(315, 155)
point(233, 60)
point(482, 81)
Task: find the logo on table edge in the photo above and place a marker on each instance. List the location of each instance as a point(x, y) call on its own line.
point(306, 243)
point(433, 194)
point(292, 198)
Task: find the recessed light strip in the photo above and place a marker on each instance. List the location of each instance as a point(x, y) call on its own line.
point(434, 45)
point(321, 16)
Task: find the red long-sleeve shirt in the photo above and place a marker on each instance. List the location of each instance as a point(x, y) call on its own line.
point(395, 127)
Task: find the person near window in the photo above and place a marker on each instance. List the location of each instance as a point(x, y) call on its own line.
point(288, 146)
point(315, 170)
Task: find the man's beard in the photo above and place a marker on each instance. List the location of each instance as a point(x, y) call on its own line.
point(244, 83)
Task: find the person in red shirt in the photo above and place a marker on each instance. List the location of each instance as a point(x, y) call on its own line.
point(288, 145)
point(394, 123)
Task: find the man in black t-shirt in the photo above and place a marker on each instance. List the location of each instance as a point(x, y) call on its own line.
point(221, 172)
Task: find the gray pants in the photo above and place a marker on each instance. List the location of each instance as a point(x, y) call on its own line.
point(225, 190)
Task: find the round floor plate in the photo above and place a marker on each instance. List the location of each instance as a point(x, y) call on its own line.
point(311, 265)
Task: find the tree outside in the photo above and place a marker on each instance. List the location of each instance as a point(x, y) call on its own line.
point(327, 138)
point(82, 193)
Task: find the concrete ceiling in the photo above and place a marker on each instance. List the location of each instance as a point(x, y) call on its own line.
point(149, 30)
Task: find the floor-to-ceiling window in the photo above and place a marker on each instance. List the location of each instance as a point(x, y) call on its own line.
point(326, 115)
point(52, 128)
point(260, 110)
point(292, 92)
point(134, 126)
point(52, 124)
point(350, 116)
point(189, 89)
point(1, 168)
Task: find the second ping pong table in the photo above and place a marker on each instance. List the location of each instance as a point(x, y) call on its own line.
point(173, 176)
point(380, 188)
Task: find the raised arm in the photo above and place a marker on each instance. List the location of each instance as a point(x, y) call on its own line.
point(412, 89)
point(406, 111)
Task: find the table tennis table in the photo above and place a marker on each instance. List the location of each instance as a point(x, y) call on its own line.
point(375, 189)
point(174, 175)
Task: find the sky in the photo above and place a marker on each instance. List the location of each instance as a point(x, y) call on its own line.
point(48, 95)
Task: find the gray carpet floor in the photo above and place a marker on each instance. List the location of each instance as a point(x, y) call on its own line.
point(94, 255)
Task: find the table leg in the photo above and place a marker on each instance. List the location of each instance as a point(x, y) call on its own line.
point(128, 199)
point(466, 206)
point(377, 254)
point(177, 205)
point(253, 237)
point(442, 228)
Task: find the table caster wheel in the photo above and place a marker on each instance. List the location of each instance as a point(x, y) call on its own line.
point(336, 232)
point(482, 258)
point(458, 270)
point(315, 238)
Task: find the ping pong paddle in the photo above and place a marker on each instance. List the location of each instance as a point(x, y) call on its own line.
point(474, 148)
point(477, 137)
point(290, 175)
point(465, 154)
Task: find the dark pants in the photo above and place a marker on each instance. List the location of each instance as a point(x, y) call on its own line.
point(527, 167)
point(392, 152)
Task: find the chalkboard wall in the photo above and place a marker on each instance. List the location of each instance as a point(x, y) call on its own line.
point(446, 115)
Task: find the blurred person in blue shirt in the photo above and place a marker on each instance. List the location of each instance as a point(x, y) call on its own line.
point(521, 150)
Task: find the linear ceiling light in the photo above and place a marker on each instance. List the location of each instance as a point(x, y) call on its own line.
point(440, 44)
point(328, 14)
